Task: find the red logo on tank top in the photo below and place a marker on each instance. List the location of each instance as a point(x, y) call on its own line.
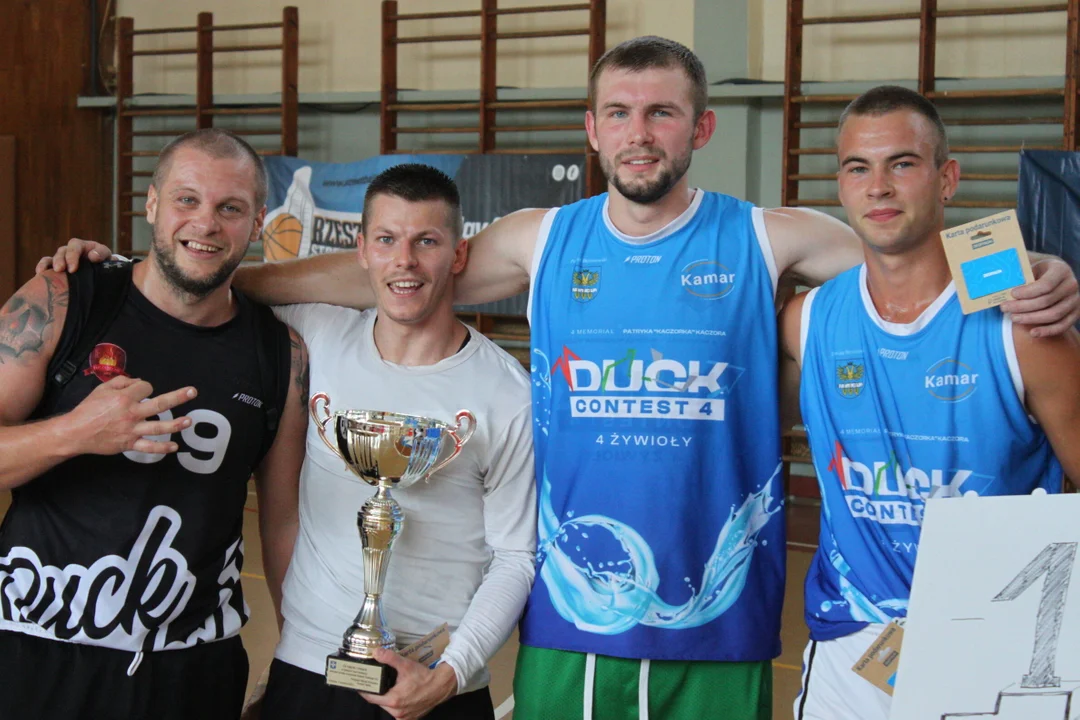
point(107, 361)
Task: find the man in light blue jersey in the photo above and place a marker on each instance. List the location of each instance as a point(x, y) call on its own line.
point(904, 397)
point(654, 346)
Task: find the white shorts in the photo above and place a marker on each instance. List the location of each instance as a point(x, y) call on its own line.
point(830, 688)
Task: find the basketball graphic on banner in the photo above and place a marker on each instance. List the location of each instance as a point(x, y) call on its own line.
point(281, 238)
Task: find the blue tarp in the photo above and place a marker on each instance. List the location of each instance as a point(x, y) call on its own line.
point(1048, 203)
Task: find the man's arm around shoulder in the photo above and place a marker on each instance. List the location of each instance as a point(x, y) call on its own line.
point(498, 268)
point(500, 259)
point(791, 328)
point(811, 246)
point(331, 278)
point(791, 360)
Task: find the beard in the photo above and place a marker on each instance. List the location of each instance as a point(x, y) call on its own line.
point(646, 192)
point(164, 255)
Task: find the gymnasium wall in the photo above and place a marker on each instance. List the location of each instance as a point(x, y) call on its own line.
point(744, 157)
point(340, 51)
point(980, 47)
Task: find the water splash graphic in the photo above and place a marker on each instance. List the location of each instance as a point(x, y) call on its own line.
point(859, 606)
point(612, 586)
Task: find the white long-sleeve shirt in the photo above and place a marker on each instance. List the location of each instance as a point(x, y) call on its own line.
point(466, 553)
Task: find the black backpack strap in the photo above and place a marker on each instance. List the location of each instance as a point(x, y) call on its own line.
point(274, 352)
point(96, 292)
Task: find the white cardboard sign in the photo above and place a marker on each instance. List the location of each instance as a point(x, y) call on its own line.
point(993, 627)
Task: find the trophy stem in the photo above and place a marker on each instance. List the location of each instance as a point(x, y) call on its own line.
point(379, 521)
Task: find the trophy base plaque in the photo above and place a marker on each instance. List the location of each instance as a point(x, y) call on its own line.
point(368, 676)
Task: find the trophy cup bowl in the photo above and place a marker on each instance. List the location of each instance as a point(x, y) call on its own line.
point(386, 450)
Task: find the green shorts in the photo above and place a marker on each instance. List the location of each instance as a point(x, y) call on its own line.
point(550, 685)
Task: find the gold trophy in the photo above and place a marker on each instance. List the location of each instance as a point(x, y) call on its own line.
point(386, 450)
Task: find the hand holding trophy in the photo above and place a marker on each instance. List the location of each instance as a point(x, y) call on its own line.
point(386, 450)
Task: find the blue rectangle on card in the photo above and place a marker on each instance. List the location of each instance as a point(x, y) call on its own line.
point(992, 273)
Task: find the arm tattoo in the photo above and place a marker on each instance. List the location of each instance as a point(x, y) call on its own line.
point(299, 367)
point(25, 320)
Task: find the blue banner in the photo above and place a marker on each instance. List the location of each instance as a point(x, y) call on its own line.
point(316, 207)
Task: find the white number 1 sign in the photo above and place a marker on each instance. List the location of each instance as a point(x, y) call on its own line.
point(993, 632)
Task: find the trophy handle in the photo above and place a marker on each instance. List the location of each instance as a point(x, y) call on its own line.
point(460, 438)
point(320, 423)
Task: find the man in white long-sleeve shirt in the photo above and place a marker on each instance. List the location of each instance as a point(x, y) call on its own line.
point(466, 554)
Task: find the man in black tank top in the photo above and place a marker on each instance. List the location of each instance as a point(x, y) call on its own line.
point(121, 555)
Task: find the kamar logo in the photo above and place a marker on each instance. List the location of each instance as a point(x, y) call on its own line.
point(950, 380)
point(707, 279)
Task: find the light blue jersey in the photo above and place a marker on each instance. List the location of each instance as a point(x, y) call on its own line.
point(897, 414)
point(657, 438)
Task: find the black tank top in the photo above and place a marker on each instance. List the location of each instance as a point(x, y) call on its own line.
point(136, 551)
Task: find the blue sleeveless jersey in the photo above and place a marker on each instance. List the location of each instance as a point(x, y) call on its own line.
point(657, 438)
point(897, 414)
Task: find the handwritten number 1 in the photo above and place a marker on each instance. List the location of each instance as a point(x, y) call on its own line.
point(1056, 562)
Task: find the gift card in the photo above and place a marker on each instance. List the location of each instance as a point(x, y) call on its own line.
point(428, 649)
point(987, 259)
point(879, 663)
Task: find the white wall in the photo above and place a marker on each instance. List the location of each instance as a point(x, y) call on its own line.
point(340, 44)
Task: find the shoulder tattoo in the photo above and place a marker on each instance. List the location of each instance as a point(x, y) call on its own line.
point(299, 367)
point(26, 319)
